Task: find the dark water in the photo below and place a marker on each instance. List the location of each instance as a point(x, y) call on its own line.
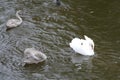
point(50, 28)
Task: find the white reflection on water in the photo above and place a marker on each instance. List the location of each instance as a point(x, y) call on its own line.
point(78, 60)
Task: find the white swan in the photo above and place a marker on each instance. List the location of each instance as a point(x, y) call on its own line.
point(14, 22)
point(31, 55)
point(83, 46)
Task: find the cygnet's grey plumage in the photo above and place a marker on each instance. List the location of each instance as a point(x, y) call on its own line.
point(11, 23)
point(31, 55)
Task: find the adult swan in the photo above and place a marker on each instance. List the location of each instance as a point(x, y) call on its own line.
point(14, 22)
point(83, 46)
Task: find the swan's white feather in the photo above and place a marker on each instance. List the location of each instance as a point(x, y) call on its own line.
point(83, 46)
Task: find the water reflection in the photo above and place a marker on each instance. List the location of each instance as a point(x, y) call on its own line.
point(79, 61)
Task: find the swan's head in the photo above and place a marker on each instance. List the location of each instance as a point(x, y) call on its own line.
point(90, 41)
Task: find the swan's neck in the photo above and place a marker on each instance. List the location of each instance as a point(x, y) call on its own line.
point(18, 16)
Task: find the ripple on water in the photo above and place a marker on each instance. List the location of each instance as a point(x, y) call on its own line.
point(50, 28)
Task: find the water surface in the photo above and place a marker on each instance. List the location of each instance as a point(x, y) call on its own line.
point(50, 28)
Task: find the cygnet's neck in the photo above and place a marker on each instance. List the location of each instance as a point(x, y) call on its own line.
point(18, 16)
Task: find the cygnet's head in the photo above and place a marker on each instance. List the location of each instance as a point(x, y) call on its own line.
point(19, 11)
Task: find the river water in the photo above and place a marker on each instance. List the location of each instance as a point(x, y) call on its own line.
point(50, 28)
